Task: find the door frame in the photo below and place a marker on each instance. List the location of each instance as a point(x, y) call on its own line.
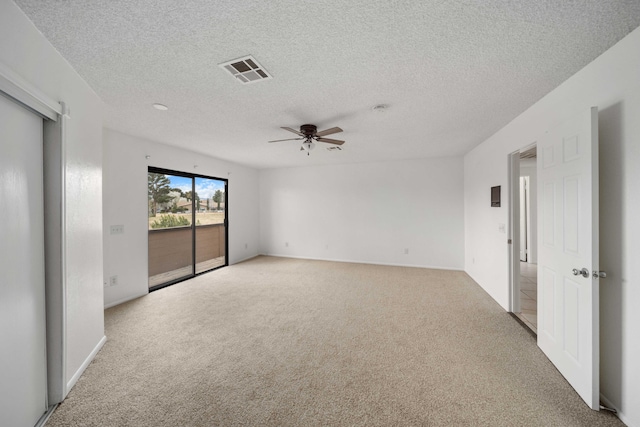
point(193, 176)
point(513, 237)
point(513, 167)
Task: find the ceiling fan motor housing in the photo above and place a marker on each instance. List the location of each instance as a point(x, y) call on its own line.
point(308, 130)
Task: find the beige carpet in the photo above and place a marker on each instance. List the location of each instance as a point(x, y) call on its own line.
point(285, 342)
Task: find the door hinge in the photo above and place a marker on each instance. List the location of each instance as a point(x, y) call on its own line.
point(509, 242)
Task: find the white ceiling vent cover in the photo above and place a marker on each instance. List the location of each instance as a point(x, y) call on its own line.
point(246, 70)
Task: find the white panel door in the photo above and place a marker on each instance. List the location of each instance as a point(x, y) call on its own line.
point(23, 383)
point(568, 321)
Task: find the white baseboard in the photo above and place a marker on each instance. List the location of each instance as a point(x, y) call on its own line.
point(244, 259)
point(619, 414)
point(435, 267)
point(84, 365)
point(123, 300)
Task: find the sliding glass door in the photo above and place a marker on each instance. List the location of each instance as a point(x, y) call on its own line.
point(170, 229)
point(211, 230)
point(187, 225)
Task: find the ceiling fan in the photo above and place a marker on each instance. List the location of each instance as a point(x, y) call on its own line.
point(309, 133)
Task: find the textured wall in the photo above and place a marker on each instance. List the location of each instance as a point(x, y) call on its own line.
point(367, 212)
point(125, 203)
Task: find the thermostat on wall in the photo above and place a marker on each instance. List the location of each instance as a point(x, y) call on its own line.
point(495, 197)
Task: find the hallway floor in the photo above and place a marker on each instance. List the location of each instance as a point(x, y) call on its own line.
point(529, 295)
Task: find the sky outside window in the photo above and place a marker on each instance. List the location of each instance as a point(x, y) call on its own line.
point(205, 187)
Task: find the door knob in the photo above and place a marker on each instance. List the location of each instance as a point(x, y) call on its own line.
point(584, 272)
point(597, 274)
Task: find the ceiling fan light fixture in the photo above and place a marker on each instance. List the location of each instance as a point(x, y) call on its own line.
point(309, 134)
point(309, 145)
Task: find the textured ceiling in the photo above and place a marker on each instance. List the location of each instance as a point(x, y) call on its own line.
point(452, 72)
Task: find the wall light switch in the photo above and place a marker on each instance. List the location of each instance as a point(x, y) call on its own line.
point(117, 229)
point(501, 228)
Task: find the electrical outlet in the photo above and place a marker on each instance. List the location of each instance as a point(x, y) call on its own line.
point(117, 229)
point(286, 244)
point(113, 280)
point(246, 245)
point(406, 251)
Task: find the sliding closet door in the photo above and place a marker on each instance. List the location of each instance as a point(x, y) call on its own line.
point(23, 385)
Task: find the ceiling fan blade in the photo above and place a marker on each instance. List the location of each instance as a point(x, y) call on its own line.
point(330, 141)
point(289, 139)
point(292, 130)
point(328, 131)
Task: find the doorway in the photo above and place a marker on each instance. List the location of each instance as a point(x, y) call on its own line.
point(524, 283)
point(187, 227)
point(567, 254)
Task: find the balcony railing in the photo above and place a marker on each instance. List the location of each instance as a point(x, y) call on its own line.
point(170, 251)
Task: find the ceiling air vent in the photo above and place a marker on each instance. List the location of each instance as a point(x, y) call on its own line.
point(246, 70)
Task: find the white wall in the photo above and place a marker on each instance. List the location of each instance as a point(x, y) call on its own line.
point(528, 168)
point(125, 203)
point(366, 213)
point(27, 53)
point(612, 84)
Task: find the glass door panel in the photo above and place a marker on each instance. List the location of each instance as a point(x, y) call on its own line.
point(210, 226)
point(171, 243)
